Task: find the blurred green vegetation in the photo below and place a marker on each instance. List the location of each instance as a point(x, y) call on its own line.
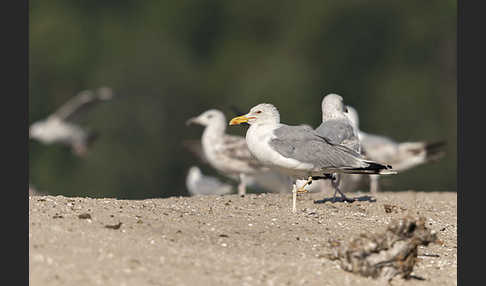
point(171, 60)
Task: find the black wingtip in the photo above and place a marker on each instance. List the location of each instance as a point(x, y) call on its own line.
point(374, 168)
point(92, 137)
point(378, 166)
point(435, 149)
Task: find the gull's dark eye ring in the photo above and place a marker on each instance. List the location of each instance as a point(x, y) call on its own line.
point(258, 112)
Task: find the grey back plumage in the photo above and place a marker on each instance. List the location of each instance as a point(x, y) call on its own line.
point(337, 125)
point(339, 132)
point(305, 145)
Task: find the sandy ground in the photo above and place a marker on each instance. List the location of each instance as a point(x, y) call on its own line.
point(224, 240)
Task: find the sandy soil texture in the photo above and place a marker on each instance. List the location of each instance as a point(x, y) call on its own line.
point(225, 240)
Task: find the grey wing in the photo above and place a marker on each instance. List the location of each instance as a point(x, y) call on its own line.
point(338, 132)
point(82, 102)
point(236, 147)
point(305, 145)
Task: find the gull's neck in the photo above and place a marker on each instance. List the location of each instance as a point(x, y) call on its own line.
point(213, 133)
point(260, 128)
point(267, 124)
point(216, 128)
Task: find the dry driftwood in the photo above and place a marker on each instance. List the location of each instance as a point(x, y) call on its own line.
point(387, 254)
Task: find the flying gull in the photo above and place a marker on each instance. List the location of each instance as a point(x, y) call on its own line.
point(59, 127)
point(199, 184)
point(299, 151)
point(228, 154)
point(402, 156)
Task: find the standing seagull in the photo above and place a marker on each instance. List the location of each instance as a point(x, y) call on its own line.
point(267, 181)
point(59, 126)
point(338, 129)
point(299, 151)
point(402, 156)
point(228, 154)
point(199, 184)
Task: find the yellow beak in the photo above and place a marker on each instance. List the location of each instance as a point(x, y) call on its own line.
point(239, 120)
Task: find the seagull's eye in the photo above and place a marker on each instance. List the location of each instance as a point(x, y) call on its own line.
point(346, 109)
point(210, 116)
point(258, 112)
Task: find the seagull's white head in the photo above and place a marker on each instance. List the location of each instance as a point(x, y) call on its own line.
point(209, 118)
point(332, 106)
point(352, 114)
point(262, 113)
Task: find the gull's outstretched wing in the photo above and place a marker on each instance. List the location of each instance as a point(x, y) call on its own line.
point(82, 102)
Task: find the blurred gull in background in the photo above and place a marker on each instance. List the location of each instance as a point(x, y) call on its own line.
point(265, 181)
point(199, 184)
point(338, 129)
point(299, 151)
point(402, 156)
point(228, 154)
point(60, 128)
